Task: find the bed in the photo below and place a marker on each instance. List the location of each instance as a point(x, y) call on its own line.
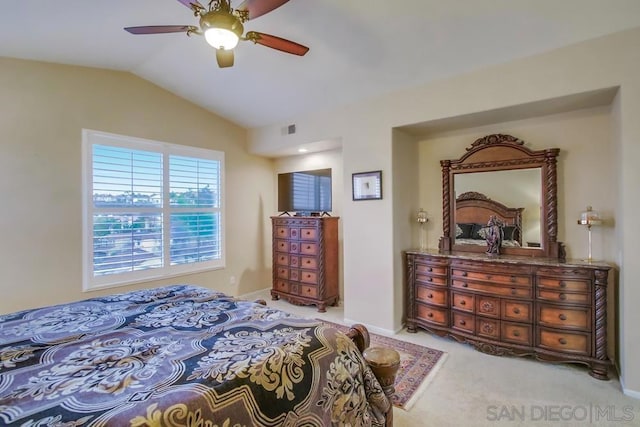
point(473, 211)
point(182, 356)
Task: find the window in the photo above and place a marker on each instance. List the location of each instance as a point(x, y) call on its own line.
point(151, 210)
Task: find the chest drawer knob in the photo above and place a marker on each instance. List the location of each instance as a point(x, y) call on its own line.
point(429, 314)
point(463, 302)
point(562, 284)
point(489, 277)
point(562, 297)
point(516, 333)
point(464, 285)
point(429, 269)
point(562, 317)
point(430, 296)
point(516, 310)
point(562, 341)
point(514, 291)
point(513, 279)
point(462, 322)
point(464, 274)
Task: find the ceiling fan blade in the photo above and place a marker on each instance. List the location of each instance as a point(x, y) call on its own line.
point(192, 4)
point(160, 29)
point(277, 43)
point(224, 58)
point(260, 7)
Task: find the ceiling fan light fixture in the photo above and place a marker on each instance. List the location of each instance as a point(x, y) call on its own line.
point(221, 38)
point(222, 30)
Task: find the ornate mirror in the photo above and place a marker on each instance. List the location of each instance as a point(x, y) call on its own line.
point(498, 176)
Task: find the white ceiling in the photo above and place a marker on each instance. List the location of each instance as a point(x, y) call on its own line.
point(358, 48)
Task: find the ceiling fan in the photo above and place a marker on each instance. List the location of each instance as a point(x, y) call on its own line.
point(222, 27)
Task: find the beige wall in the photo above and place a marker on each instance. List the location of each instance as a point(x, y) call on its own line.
point(326, 159)
point(367, 136)
point(44, 109)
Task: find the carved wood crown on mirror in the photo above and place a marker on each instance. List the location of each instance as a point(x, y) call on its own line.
point(500, 152)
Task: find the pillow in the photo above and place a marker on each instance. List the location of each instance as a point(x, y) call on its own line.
point(466, 230)
point(475, 232)
point(510, 232)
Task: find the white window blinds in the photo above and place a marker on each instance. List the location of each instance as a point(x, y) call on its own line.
point(152, 209)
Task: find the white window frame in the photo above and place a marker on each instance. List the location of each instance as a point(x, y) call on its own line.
point(91, 282)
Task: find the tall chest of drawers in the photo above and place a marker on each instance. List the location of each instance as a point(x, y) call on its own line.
point(512, 305)
point(305, 260)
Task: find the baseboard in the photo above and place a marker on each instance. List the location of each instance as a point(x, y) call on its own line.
point(628, 392)
point(374, 329)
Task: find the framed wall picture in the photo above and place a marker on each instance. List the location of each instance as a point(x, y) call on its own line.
point(367, 185)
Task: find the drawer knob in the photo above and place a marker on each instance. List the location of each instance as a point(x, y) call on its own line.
point(514, 291)
point(430, 296)
point(562, 297)
point(464, 285)
point(563, 284)
point(429, 314)
point(308, 247)
point(464, 274)
point(489, 277)
point(513, 279)
point(462, 322)
point(308, 233)
point(562, 317)
point(562, 341)
point(463, 302)
point(429, 269)
point(516, 311)
point(516, 333)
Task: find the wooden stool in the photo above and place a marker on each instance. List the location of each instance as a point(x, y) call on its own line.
point(384, 363)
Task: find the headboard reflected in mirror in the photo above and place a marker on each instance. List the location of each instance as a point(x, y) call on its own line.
point(466, 200)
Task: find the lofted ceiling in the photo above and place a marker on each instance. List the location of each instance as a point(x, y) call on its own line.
point(358, 48)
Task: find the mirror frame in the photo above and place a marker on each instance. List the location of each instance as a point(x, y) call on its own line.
point(498, 152)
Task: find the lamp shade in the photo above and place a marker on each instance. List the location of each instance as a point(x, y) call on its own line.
point(590, 217)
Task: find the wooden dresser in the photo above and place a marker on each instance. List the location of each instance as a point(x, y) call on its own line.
point(305, 260)
point(554, 311)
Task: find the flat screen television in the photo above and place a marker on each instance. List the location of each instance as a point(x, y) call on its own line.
point(305, 192)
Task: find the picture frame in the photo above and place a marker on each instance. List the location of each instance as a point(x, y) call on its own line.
point(366, 185)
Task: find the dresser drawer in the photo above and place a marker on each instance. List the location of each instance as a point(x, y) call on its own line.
point(573, 342)
point(499, 290)
point(465, 302)
point(516, 333)
point(282, 232)
point(431, 280)
point(281, 285)
point(287, 246)
point(282, 273)
point(308, 233)
point(563, 297)
point(307, 248)
point(463, 321)
point(519, 311)
point(432, 296)
point(564, 272)
point(308, 276)
point(433, 314)
point(492, 267)
point(491, 277)
point(564, 284)
point(489, 328)
point(309, 262)
point(431, 269)
point(309, 291)
point(488, 306)
point(563, 317)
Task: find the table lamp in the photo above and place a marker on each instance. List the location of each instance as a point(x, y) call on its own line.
point(589, 218)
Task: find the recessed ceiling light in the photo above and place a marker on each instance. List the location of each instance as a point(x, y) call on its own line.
point(302, 150)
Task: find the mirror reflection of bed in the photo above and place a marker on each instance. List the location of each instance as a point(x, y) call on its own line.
point(473, 211)
point(507, 189)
